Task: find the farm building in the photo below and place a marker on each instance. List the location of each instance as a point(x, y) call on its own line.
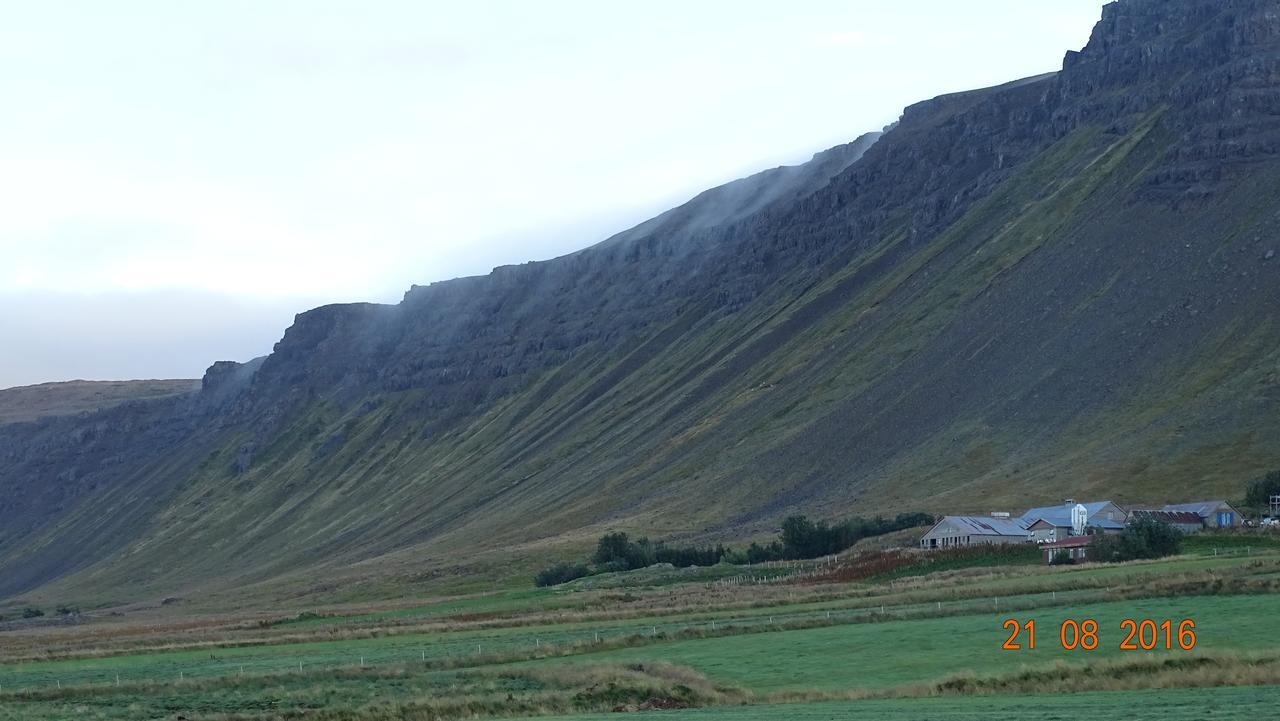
point(1076, 547)
point(1215, 514)
point(1184, 521)
point(954, 531)
point(1054, 523)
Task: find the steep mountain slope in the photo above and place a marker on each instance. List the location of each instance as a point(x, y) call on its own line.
point(1063, 285)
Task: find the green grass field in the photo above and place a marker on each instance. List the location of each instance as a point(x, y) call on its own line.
point(885, 654)
point(698, 643)
point(1259, 702)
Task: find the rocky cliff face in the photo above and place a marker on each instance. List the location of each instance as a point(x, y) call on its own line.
point(1058, 283)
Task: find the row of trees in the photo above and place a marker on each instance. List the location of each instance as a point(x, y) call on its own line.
point(800, 538)
point(617, 552)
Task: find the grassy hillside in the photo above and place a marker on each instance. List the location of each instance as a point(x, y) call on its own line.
point(808, 403)
point(1058, 287)
point(27, 403)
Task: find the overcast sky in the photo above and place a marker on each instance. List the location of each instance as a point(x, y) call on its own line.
point(179, 179)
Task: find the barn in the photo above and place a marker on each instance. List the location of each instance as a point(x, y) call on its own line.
point(1215, 514)
point(956, 531)
point(1054, 523)
point(1184, 521)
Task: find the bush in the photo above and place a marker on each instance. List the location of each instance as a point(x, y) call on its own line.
point(759, 554)
point(611, 547)
point(560, 573)
point(1062, 558)
point(1142, 538)
point(32, 613)
point(1259, 491)
point(67, 610)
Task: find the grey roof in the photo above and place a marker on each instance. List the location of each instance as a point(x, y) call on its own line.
point(1060, 515)
point(1187, 517)
point(1065, 522)
point(989, 526)
point(1200, 508)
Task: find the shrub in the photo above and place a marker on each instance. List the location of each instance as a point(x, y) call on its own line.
point(65, 610)
point(1061, 558)
point(1142, 538)
point(560, 573)
point(759, 554)
point(32, 613)
point(1259, 491)
point(611, 547)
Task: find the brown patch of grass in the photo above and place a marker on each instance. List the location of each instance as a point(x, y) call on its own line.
point(1126, 673)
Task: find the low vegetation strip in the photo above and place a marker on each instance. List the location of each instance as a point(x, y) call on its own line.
point(386, 695)
point(800, 538)
point(1225, 704)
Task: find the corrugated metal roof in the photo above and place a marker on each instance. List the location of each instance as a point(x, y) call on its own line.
point(1188, 517)
point(1060, 515)
point(986, 526)
point(1200, 508)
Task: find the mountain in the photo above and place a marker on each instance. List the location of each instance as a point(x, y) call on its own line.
point(1061, 286)
point(28, 403)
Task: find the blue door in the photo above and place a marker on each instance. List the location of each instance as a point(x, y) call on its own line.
point(1226, 519)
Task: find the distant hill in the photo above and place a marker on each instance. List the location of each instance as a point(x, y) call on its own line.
point(1062, 286)
point(27, 403)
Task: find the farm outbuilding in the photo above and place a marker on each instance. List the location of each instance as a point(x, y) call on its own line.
point(1215, 514)
point(1054, 523)
point(1076, 548)
point(955, 531)
point(1184, 521)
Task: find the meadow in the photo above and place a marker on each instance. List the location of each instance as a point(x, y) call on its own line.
point(741, 643)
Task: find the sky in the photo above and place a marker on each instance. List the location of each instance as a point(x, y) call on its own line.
point(177, 180)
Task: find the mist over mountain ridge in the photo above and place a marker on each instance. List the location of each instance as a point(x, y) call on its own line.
point(985, 305)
